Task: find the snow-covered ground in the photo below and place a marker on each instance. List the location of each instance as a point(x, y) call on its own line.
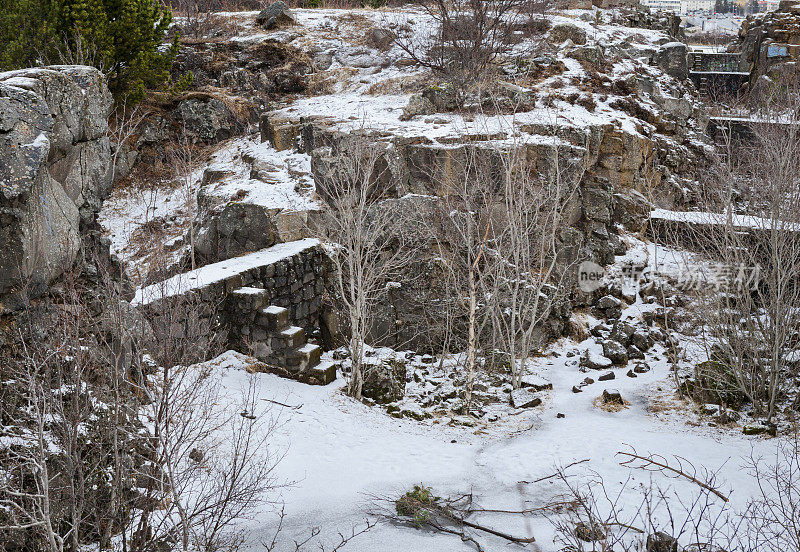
point(341, 454)
point(343, 457)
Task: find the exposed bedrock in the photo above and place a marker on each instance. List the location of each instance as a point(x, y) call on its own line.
point(229, 224)
point(54, 172)
point(613, 175)
point(769, 44)
point(664, 163)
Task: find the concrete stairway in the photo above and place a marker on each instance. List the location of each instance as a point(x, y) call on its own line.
point(266, 332)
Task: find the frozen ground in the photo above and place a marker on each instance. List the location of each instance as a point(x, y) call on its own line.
point(341, 453)
point(343, 456)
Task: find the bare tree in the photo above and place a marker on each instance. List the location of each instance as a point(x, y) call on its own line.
point(461, 230)
point(209, 462)
point(527, 278)
point(212, 464)
point(123, 127)
point(54, 465)
point(465, 38)
point(26, 495)
point(366, 251)
point(651, 516)
point(750, 301)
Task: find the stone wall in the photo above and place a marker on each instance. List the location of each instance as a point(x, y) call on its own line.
point(292, 274)
point(55, 163)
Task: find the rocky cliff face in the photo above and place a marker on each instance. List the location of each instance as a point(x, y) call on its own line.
point(769, 43)
point(605, 105)
point(55, 161)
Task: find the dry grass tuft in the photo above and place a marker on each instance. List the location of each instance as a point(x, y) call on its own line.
point(611, 407)
point(331, 81)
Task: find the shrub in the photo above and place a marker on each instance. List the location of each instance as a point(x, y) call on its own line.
point(417, 504)
point(468, 37)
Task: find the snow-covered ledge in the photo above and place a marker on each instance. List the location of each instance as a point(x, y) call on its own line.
point(220, 273)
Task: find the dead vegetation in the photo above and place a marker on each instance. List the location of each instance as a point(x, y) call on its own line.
point(615, 406)
point(331, 81)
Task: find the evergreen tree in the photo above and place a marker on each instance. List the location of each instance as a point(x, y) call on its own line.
point(27, 28)
point(123, 38)
point(126, 36)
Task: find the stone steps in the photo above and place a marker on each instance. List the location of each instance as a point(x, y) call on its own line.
point(321, 374)
point(276, 317)
point(293, 336)
point(276, 342)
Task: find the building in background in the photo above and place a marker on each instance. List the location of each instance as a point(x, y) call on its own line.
point(690, 6)
point(708, 6)
point(663, 5)
point(680, 6)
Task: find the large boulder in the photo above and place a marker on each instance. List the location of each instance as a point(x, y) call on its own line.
point(384, 379)
point(275, 15)
point(235, 229)
point(54, 172)
point(615, 352)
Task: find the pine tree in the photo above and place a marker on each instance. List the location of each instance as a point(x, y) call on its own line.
point(26, 31)
point(123, 38)
point(126, 36)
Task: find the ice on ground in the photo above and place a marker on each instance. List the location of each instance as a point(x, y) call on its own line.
point(342, 456)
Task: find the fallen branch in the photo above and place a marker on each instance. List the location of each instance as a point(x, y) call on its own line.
point(298, 407)
point(552, 506)
point(557, 474)
point(512, 538)
point(423, 508)
point(659, 463)
point(462, 534)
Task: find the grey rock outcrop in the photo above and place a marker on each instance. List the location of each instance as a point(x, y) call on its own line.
point(206, 120)
point(54, 171)
point(673, 59)
point(237, 229)
point(275, 15)
point(768, 46)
